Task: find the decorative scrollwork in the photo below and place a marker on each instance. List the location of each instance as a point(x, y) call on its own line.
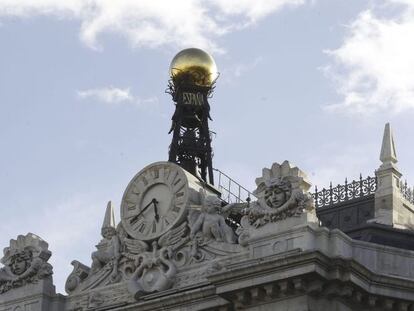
point(348, 191)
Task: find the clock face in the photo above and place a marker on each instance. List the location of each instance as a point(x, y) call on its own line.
point(155, 200)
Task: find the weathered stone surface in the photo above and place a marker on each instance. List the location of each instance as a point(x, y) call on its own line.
point(391, 207)
point(26, 278)
point(25, 262)
point(287, 262)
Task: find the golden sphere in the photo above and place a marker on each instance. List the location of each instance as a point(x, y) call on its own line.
point(193, 66)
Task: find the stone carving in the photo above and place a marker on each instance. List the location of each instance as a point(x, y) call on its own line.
point(109, 248)
point(101, 299)
point(282, 192)
point(25, 261)
point(146, 267)
point(80, 272)
point(209, 233)
point(209, 224)
point(155, 270)
point(105, 261)
point(96, 299)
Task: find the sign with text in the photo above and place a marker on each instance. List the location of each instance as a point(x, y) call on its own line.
point(195, 99)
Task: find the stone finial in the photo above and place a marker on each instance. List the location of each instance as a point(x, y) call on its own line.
point(109, 220)
point(388, 153)
point(388, 205)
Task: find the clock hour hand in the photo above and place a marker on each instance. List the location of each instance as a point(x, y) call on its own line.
point(135, 218)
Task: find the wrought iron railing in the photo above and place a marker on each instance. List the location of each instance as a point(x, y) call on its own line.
point(348, 191)
point(407, 192)
point(231, 190)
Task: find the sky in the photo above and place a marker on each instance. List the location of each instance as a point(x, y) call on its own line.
point(83, 106)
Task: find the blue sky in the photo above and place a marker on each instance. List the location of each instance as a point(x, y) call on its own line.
point(83, 108)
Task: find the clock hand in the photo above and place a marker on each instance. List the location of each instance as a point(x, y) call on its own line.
point(157, 217)
point(135, 218)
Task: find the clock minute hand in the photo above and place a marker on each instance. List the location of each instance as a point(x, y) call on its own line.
point(157, 217)
point(135, 218)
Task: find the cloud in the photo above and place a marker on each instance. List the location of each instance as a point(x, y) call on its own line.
point(232, 72)
point(253, 10)
point(152, 23)
point(110, 95)
point(115, 96)
point(373, 69)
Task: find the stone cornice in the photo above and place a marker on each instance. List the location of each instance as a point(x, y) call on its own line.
point(311, 273)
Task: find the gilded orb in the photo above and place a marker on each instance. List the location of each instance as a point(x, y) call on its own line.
point(193, 66)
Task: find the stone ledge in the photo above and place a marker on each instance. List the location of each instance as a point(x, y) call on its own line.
point(310, 265)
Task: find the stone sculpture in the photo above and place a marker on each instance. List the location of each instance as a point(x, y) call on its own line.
point(25, 261)
point(150, 265)
point(282, 192)
point(105, 261)
point(109, 247)
point(211, 224)
point(155, 271)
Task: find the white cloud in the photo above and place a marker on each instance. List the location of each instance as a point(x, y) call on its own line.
point(110, 95)
point(254, 10)
point(373, 69)
point(152, 23)
point(115, 96)
point(232, 72)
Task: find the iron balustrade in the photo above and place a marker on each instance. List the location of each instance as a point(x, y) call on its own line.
point(342, 193)
point(407, 192)
point(231, 191)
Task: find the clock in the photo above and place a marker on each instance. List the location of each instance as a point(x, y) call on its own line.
point(156, 200)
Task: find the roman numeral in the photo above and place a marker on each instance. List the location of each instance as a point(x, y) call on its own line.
point(131, 206)
point(167, 173)
point(135, 219)
point(137, 188)
point(175, 209)
point(131, 203)
point(171, 177)
point(162, 172)
point(179, 194)
point(141, 227)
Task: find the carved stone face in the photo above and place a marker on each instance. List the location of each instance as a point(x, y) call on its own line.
point(19, 265)
point(108, 232)
point(275, 196)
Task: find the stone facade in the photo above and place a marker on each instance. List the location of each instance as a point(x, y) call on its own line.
point(278, 256)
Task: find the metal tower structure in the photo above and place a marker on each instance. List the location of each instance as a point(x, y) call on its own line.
point(193, 73)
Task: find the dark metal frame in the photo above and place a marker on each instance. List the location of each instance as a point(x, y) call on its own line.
point(407, 192)
point(191, 143)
